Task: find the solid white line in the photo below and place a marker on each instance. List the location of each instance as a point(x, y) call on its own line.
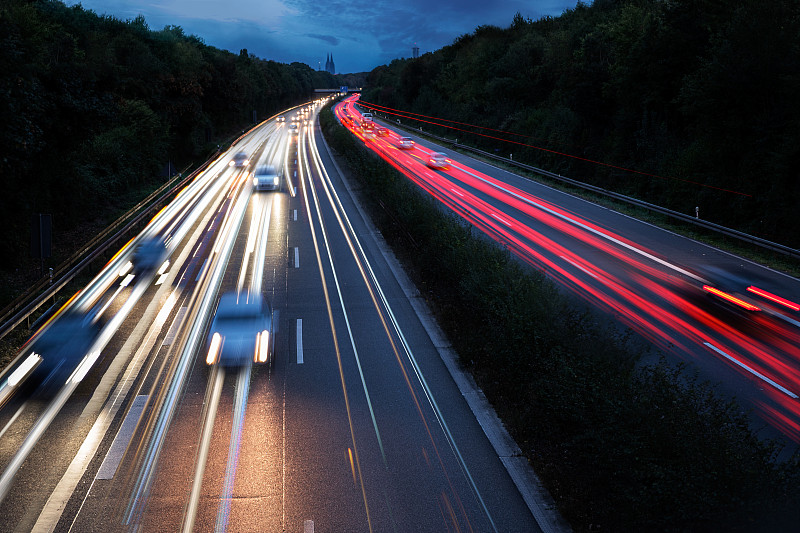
point(214, 392)
point(501, 219)
point(754, 372)
point(200, 272)
point(590, 229)
point(13, 418)
point(299, 341)
point(576, 265)
point(124, 436)
point(296, 257)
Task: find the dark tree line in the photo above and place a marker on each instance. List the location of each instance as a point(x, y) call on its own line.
point(92, 107)
point(697, 91)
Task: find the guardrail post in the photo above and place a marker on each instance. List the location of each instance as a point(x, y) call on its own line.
point(697, 212)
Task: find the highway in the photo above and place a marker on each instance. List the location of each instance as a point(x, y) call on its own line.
point(117, 416)
point(738, 323)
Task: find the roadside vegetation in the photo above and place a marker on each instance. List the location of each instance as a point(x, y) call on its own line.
point(698, 96)
point(621, 446)
point(97, 112)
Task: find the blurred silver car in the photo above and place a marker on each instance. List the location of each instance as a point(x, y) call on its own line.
point(240, 160)
point(438, 160)
point(241, 331)
point(266, 178)
point(406, 143)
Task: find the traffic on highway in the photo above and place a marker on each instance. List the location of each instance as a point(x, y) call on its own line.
point(737, 322)
point(250, 361)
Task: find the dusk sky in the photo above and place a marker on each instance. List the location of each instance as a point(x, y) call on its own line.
point(361, 34)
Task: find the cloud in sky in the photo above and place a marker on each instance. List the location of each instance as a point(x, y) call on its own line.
point(361, 34)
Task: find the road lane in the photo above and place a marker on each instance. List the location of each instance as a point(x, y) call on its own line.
point(650, 279)
point(367, 432)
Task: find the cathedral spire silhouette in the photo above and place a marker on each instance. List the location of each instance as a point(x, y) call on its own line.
point(329, 65)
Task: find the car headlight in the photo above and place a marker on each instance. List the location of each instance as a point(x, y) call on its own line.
point(213, 350)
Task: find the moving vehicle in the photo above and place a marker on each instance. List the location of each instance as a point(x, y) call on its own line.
point(280, 118)
point(240, 331)
point(438, 160)
point(150, 254)
point(406, 143)
point(381, 132)
point(366, 117)
point(240, 160)
point(54, 355)
point(266, 178)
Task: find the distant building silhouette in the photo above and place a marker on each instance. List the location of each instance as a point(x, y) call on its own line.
point(415, 51)
point(329, 66)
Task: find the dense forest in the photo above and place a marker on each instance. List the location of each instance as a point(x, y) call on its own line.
point(92, 107)
point(697, 97)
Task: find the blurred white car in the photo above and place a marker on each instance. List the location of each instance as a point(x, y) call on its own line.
point(241, 331)
point(406, 143)
point(266, 178)
point(438, 160)
point(240, 160)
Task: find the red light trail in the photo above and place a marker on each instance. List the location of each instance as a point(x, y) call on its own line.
point(408, 114)
point(665, 303)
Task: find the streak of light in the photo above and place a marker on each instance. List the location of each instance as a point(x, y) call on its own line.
point(731, 298)
point(334, 335)
point(166, 411)
point(213, 350)
point(125, 268)
point(13, 419)
point(38, 429)
point(239, 409)
point(211, 405)
point(754, 372)
point(647, 301)
point(262, 347)
point(600, 163)
point(84, 367)
point(352, 465)
point(775, 298)
point(384, 310)
point(24, 369)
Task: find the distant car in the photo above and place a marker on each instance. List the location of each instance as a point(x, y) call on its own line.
point(293, 128)
point(381, 132)
point(366, 117)
point(406, 143)
point(266, 178)
point(240, 160)
point(240, 332)
point(438, 160)
point(150, 254)
point(281, 118)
